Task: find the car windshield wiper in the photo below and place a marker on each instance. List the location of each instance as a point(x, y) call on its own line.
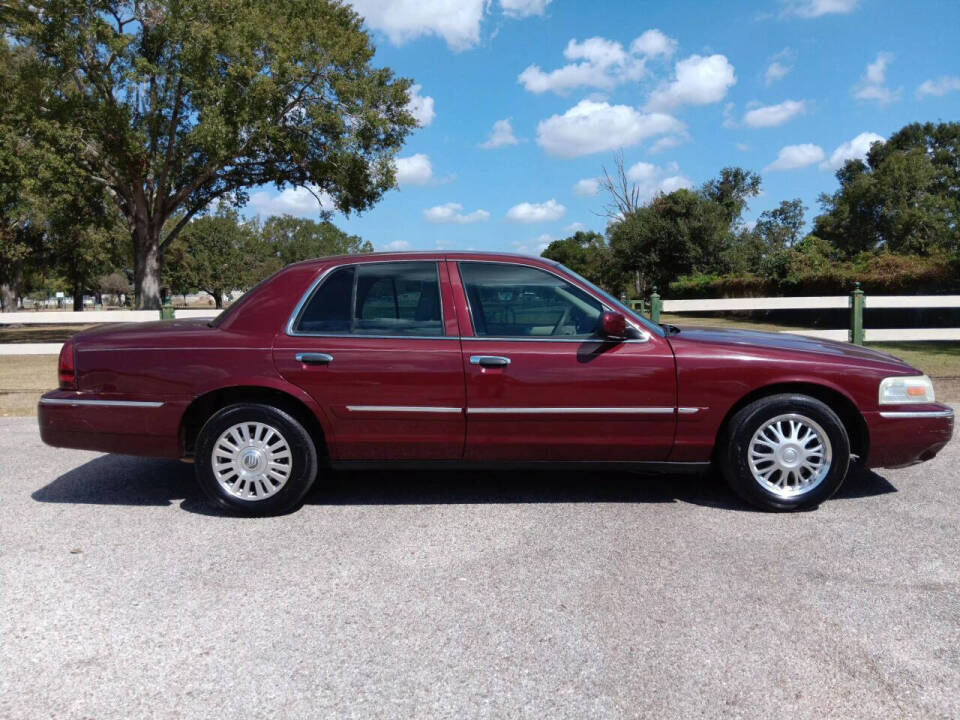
point(670, 329)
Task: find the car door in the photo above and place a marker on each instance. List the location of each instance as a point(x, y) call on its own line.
point(376, 345)
point(543, 385)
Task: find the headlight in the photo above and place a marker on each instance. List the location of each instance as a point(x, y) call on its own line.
point(904, 390)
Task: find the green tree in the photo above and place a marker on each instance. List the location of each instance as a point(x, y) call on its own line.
point(587, 253)
point(677, 233)
point(175, 104)
point(215, 254)
point(291, 239)
point(116, 284)
point(783, 226)
point(905, 197)
point(18, 237)
point(775, 230)
point(730, 191)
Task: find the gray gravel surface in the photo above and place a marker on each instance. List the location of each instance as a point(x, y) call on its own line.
point(124, 594)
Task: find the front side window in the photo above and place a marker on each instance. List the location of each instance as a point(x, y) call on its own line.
point(522, 301)
point(393, 299)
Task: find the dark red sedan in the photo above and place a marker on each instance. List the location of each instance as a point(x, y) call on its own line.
point(470, 360)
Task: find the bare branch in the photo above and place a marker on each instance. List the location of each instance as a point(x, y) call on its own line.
point(624, 195)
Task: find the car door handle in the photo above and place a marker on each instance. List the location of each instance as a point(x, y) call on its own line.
point(489, 360)
point(310, 358)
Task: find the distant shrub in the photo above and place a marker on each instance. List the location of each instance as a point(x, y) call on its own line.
point(806, 269)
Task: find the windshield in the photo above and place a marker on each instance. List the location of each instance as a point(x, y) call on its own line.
point(613, 302)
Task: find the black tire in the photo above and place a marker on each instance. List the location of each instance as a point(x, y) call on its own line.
point(735, 462)
point(279, 493)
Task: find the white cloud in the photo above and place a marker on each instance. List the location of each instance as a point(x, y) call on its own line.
point(602, 64)
point(501, 135)
point(450, 213)
point(420, 106)
point(728, 119)
point(599, 63)
point(742, 147)
point(414, 170)
point(588, 187)
point(653, 43)
point(533, 247)
point(668, 143)
point(780, 66)
point(699, 81)
point(872, 85)
point(591, 127)
point(816, 8)
point(651, 180)
point(523, 8)
point(527, 212)
point(792, 157)
point(396, 246)
point(775, 71)
point(298, 201)
point(939, 87)
point(574, 227)
point(774, 115)
point(456, 21)
point(855, 149)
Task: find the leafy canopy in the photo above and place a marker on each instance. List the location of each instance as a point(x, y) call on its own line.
point(177, 103)
point(905, 197)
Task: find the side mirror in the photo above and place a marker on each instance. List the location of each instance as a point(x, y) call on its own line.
point(613, 325)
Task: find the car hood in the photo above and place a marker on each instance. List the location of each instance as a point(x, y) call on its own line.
point(847, 353)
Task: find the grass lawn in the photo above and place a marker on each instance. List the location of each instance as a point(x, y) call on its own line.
point(23, 378)
point(39, 333)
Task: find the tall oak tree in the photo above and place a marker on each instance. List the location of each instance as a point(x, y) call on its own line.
point(178, 103)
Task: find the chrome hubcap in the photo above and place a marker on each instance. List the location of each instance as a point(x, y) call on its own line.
point(251, 461)
point(789, 455)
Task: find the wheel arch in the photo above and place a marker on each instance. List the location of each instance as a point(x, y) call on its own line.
point(206, 405)
point(844, 406)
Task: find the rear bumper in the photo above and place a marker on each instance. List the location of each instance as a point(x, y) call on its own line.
point(115, 425)
point(905, 436)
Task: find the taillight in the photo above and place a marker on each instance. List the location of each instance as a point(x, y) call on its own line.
point(65, 368)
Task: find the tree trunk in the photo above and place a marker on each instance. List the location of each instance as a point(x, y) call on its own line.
point(8, 297)
point(146, 270)
point(77, 298)
point(218, 299)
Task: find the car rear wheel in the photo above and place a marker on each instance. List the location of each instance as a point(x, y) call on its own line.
point(254, 459)
point(785, 452)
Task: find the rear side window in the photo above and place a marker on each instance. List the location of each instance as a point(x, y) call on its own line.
point(329, 309)
point(390, 299)
point(521, 301)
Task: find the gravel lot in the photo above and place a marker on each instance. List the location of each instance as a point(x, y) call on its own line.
point(123, 594)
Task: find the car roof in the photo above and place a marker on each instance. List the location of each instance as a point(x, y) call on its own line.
point(427, 255)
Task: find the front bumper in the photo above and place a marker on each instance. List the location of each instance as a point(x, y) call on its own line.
point(905, 435)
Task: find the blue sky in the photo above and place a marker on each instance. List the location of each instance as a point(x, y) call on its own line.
point(787, 88)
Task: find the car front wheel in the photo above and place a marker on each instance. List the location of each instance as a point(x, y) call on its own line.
point(786, 452)
point(254, 459)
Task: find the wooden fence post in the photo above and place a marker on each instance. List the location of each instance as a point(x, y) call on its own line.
point(857, 303)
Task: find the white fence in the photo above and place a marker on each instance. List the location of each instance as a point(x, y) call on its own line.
point(87, 317)
point(834, 302)
point(669, 306)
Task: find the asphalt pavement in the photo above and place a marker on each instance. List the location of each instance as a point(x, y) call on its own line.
point(124, 594)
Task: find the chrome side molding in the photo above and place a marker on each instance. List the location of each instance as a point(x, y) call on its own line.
point(916, 414)
point(571, 411)
point(403, 409)
point(101, 403)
